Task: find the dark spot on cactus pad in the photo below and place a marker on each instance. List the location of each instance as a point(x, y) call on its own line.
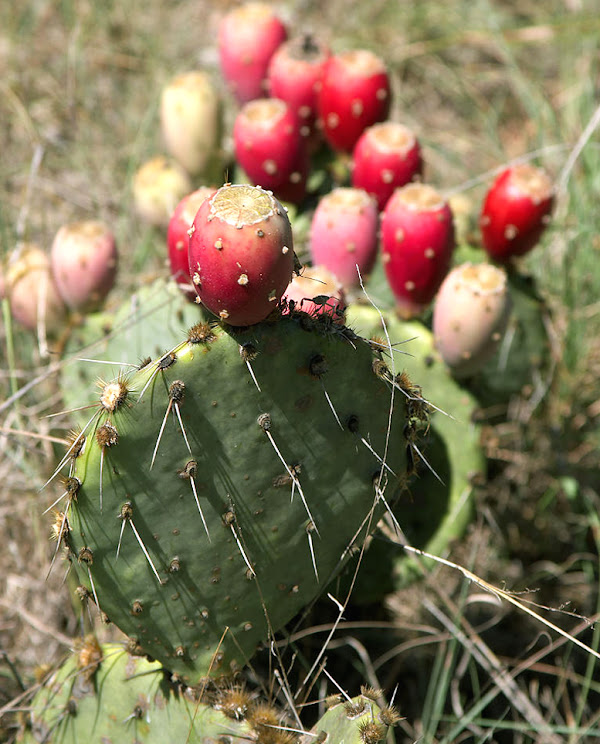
point(248, 352)
point(352, 423)
point(318, 365)
point(177, 391)
point(86, 556)
point(137, 608)
point(166, 361)
point(107, 435)
point(304, 403)
point(389, 716)
point(144, 362)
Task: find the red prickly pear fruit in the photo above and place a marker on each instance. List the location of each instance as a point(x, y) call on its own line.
point(241, 253)
point(343, 234)
point(386, 156)
point(317, 291)
point(470, 316)
point(158, 186)
point(248, 37)
point(417, 241)
point(33, 296)
point(355, 93)
point(83, 259)
point(191, 118)
point(178, 238)
point(516, 211)
point(294, 76)
point(269, 147)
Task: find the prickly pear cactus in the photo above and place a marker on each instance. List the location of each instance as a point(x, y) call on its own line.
point(357, 721)
point(102, 694)
point(438, 505)
point(214, 493)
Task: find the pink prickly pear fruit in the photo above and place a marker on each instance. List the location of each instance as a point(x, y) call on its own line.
point(83, 259)
point(191, 123)
point(470, 316)
point(294, 76)
point(158, 186)
point(355, 93)
point(317, 291)
point(248, 37)
point(417, 242)
point(178, 238)
point(343, 234)
point(516, 211)
point(33, 296)
point(241, 253)
point(269, 147)
point(386, 156)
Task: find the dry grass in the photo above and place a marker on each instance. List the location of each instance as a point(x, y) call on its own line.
point(481, 82)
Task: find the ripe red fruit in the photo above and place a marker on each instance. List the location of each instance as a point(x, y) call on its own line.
point(241, 253)
point(386, 156)
point(294, 76)
point(417, 240)
point(83, 259)
point(248, 38)
point(343, 234)
point(516, 211)
point(178, 238)
point(355, 93)
point(270, 149)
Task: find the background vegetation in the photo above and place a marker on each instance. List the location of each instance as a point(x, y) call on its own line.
point(482, 82)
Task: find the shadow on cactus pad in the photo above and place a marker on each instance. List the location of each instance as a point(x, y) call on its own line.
point(436, 508)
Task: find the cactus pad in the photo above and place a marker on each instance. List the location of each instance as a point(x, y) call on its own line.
point(431, 513)
point(220, 487)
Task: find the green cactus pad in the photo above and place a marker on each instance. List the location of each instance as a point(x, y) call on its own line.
point(143, 326)
point(356, 721)
point(116, 697)
point(431, 513)
point(226, 531)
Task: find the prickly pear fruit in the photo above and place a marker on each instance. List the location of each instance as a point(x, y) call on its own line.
point(386, 156)
point(417, 241)
point(83, 259)
point(317, 291)
point(33, 295)
point(470, 316)
point(178, 239)
point(102, 694)
point(343, 234)
point(294, 76)
point(269, 147)
point(241, 253)
point(516, 211)
point(191, 123)
point(354, 94)
point(248, 38)
point(158, 186)
point(355, 721)
point(178, 513)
